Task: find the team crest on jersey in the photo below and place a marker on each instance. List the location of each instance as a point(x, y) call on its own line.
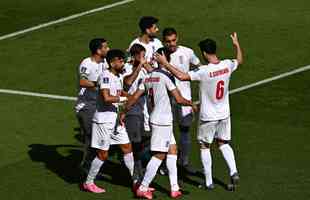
point(181, 59)
point(105, 80)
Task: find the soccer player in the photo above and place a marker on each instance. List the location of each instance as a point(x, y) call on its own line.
point(214, 110)
point(159, 85)
point(105, 120)
point(149, 30)
point(85, 107)
point(183, 58)
point(135, 72)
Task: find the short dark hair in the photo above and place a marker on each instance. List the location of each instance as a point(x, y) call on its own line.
point(165, 51)
point(147, 22)
point(114, 53)
point(208, 46)
point(96, 44)
point(169, 31)
point(136, 49)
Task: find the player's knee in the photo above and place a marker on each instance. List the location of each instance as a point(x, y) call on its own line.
point(221, 142)
point(204, 145)
point(102, 155)
point(126, 148)
point(160, 155)
point(173, 149)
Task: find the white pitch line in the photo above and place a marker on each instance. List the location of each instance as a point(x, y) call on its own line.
point(246, 87)
point(34, 94)
point(295, 71)
point(3, 37)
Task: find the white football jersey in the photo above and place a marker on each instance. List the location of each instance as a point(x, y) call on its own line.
point(89, 70)
point(158, 84)
point(107, 112)
point(150, 48)
point(214, 89)
point(141, 76)
point(183, 58)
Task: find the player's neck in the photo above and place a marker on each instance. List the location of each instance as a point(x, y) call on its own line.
point(213, 59)
point(144, 38)
point(96, 58)
point(113, 71)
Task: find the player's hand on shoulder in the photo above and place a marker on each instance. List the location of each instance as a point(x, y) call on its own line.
point(234, 38)
point(161, 59)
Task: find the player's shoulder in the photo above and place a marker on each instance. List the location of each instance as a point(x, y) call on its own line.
point(86, 62)
point(185, 49)
point(229, 61)
point(157, 42)
point(134, 41)
point(202, 69)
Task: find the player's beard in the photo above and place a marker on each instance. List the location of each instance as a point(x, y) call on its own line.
point(120, 70)
point(152, 36)
point(172, 49)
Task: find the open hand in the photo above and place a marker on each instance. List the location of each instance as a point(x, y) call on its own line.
point(234, 38)
point(161, 59)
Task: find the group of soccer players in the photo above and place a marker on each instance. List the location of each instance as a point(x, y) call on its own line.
point(121, 100)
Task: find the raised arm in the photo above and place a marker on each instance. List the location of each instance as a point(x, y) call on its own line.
point(239, 55)
point(175, 71)
point(128, 80)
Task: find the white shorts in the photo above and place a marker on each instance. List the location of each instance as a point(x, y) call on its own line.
point(104, 135)
point(162, 138)
point(220, 129)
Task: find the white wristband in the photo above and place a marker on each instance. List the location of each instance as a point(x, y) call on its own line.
point(122, 99)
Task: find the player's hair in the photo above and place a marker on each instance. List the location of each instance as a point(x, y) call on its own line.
point(96, 44)
point(208, 46)
point(165, 51)
point(147, 22)
point(136, 49)
point(114, 53)
point(169, 31)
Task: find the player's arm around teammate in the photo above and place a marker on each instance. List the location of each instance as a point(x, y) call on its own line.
point(214, 97)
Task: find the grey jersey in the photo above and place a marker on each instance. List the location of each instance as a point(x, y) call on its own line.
point(88, 70)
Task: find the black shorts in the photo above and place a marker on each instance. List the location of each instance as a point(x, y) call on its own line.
point(182, 120)
point(135, 127)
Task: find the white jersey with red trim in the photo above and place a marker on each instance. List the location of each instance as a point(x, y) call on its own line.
point(214, 89)
point(159, 84)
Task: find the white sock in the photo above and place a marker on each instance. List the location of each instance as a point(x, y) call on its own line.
point(150, 173)
point(171, 163)
point(229, 157)
point(94, 169)
point(207, 165)
point(129, 162)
